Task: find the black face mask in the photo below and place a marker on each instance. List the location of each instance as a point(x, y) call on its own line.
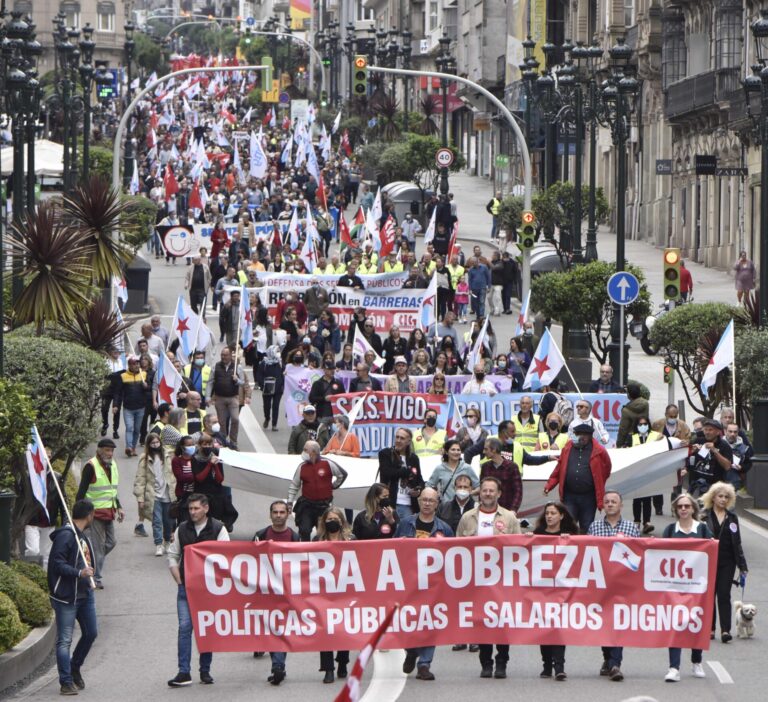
point(333, 527)
point(554, 425)
point(298, 359)
point(206, 450)
point(431, 421)
point(385, 502)
point(480, 376)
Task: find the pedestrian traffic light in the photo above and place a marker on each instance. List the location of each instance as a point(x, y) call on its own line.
point(668, 373)
point(360, 77)
point(526, 235)
point(672, 274)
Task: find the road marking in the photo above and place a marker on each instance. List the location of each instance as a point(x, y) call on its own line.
point(250, 425)
point(722, 674)
point(388, 680)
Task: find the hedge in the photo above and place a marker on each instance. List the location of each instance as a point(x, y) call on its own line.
point(31, 602)
point(32, 571)
point(11, 629)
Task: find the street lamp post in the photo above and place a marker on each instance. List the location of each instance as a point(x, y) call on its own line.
point(87, 45)
point(619, 95)
point(129, 46)
point(444, 65)
point(595, 54)
point(76, 105)
point(407, 51)
point(350, 48)
point(32, 52)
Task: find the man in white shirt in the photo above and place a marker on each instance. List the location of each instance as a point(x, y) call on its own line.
point(584, 416)
point(479, 384)
point(490, 519)
point(197, 529)
point(154, 342)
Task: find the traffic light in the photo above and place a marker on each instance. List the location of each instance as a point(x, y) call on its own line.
point(672, 274)
point(360, 77)
point(668, 373)
point(326, 60)
point(526, 235)
point(323, 99)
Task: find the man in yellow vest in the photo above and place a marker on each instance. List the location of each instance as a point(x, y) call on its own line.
point(641, 506)
point(429, 440)
point(199, 373)
point(98, 483)
point(392, 265)
point(526, 423)
point(493, 208)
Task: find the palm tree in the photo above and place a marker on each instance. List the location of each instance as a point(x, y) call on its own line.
point(97, 327)
point(56, 274)
point(95, 210)
point(384, 108)
point(428, 126)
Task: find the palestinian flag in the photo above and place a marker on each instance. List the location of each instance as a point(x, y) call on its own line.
point(358, 227)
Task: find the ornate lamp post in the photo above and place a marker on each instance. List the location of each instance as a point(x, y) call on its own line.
point(32, 52)
point(129, 47)
point(619, 96)
point(407, 50)
point(592, 114)
point(445, 64)
point(350, 48)
point(87, 45)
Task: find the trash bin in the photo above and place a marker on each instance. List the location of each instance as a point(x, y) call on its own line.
point(415, 208)
point(6, 510)
point(137, 281)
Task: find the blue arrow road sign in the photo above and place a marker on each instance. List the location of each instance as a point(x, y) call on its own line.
point(623, 288)
point(250, 21)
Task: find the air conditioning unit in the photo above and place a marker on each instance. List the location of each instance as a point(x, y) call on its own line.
point(424, 46)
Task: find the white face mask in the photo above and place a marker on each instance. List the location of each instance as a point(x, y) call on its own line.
point(462, 494)
point(642, 429)
point(216, 428)
point(304, 456)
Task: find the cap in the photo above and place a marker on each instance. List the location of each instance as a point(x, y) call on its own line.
point(583, 429)
point(309, 408)
point(106, 443)
point(133, 357)
point(712, 423)
point(400, 359)
point(328, 364)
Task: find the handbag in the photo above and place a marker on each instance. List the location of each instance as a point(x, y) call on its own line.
point(269, 387)
point(173, 510)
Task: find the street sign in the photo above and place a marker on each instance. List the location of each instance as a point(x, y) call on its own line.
point(502, 161)
point(733, 171)
point(623, 288)
point(663, 166)
point(706, 164)
point(284, 98)
point(250, 21)
point(444, 158)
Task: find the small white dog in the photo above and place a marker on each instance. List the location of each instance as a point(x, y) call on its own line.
point(745, 619)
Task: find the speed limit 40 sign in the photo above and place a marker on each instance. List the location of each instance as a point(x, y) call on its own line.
point(444, 158)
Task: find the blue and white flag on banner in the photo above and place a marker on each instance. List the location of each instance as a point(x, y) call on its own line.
point(547, 362)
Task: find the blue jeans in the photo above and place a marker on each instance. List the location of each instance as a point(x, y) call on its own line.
point(185, 636)
point(403, 511)
point(613, 655)
point(162, 524)
point(278, 660)
point(582, 507)
point(132, 426)
point(84, 612)
point(494, 226)
point(477, 299)
point(733, 477)
point(675, 655)
point(425, 654)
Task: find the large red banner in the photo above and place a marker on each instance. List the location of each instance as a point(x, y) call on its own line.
point(580, 590)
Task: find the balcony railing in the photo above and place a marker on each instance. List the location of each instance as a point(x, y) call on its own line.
point(701, 92)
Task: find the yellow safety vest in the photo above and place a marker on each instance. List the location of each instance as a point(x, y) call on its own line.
point(560, 441)
point(103, 492)
point(527, 434)
point(206, 374)
point(339, 270)
point(431, 268)
point(367, 270)
point(242, 277)
point(433, 447)
point(495, 206)
point(390, 268)
point(516, 454)
point(456, 273)
point(652, 436)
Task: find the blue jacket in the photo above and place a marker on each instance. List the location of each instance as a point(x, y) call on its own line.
point(479, 277)
point(65, 564)
point(406, 528)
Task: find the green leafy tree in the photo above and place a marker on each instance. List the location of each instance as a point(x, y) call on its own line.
point(579, 296)
point(511, 213)
point(141, 214)
point(687, 336)
point(148, 55)
point(752, 364)
point(16, 418)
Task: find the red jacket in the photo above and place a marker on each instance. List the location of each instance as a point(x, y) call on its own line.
point(599, 464)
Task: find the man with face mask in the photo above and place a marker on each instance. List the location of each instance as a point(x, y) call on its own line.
point(479, 384)
point(308, 429)
point(581, 472)
point(317, 478)
point(316, 299)
point(410, 229)
point(199, 373)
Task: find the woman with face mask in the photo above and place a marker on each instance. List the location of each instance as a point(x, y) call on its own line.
point(379, 519)
point(270, 380)
point(208, 470)
point(333, 526)
point(453, 465)
point(641, 506)
point(552, 439)
point(153, 488)
point(181, 465)
point(471, 434)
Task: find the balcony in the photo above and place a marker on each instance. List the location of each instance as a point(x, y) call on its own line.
point(705, 92)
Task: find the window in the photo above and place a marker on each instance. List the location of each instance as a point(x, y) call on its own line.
point(674, 63)
point(728, 35)
point(433, 15)
point(629, 13)
point(105, 21)
point(23, 6)
point(364, 13)
point(72, 12)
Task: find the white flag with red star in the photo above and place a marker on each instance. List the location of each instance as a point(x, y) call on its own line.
point(723, 357)
point(308, 253)
point(455, 422)
point(36, 465)
point(523, 317)
point(246, 319)
point(546, 364)
point(168, 381)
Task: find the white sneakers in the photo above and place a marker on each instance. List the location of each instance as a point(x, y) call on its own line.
point(159, 550)
point(673, 675)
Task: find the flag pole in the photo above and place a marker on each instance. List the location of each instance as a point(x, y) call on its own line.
point(199, 322)
point(168, 358)
point(354, 419)
point(573, 380)
point(63, 503)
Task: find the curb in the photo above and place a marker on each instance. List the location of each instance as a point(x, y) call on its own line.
point(26, 657)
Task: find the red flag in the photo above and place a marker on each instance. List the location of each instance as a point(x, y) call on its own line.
point(359, 217)
point(454, 236)
point(169, 182)
point(153, 120)
point(277, 240)
point(195, 201)
point(226, 114)
point(267, 118)
point(351, 691)
point(321, 193)
point(345, 143)
point(183, 140)
point(286, 122)
point(387, 237)
point(345, 236)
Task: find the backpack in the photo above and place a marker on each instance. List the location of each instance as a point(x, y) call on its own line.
point(564, 407)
